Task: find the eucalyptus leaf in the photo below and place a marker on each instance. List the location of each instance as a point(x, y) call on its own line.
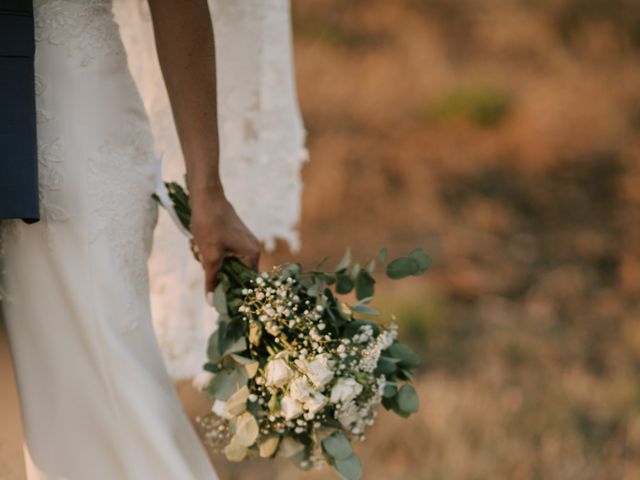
point(337, 446)
point(386, 365)
point(344, 261)
point(220, 299)
point(290, 270)
point(424, 260)
point(274, 404)
point(344, 283)
point(250, 365)
point(349, 468)
point(211, 367)
point(355, 269)
point(407, 400)
point(408, 357)
point(213, 348)
point(226, 382)
point(240, 345)
point(237, 403)
point(345, 311)
point(390, 390)
point(246, 429)
point(402, 267)
point(371, 266)
point(235, 452)
point(366, 309)
point(268, 446)
point(364, 284)
point(329, 279)
point(318, 285)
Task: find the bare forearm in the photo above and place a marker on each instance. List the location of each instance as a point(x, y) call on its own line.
point(185, 45)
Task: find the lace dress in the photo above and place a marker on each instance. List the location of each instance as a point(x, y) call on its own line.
point(96, 397)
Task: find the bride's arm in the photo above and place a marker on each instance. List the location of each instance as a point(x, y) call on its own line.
point(185, 45)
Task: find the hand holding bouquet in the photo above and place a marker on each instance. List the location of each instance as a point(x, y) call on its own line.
point(297, 372)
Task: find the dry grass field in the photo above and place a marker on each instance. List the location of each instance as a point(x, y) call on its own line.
point(503, 136)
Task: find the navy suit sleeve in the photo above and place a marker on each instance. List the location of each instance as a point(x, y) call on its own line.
point(18, 144)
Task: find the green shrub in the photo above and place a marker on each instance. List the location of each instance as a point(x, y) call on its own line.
point(481, 105)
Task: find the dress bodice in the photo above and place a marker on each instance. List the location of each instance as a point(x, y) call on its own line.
point(86, 28)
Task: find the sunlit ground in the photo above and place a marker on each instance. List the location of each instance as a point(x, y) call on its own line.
point(504, 138)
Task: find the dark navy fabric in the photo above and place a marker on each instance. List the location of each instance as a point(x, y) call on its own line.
point(18, 145)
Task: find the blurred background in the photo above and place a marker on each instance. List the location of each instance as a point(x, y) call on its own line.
point(503, 137)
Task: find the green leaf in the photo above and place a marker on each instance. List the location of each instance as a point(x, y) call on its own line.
point(364, 284)
point(226, 382)
point(213, 348)
point(220, 299)
point(344, 283)
point(383, 254)
point(337, 446)
point(246, 430)
point(390, 390)
point(318, 285)
point(388, 402)
point(237, 403)
point(424, 260)
point(386, 365)
point(349, 468)
point(408, 357)
point(234, 451)
point(329, 279)
point(402, 267)
point(211, 367)
point(344, 310)
point(407, 400)
point(290, 270)
point(366, 309)
point(239, 345)
point(274, 404)
point(371, 266)
point(355, 269)
point(268, 446)
point(344, 261)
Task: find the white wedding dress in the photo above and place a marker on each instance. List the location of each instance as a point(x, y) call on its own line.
point(97, 399)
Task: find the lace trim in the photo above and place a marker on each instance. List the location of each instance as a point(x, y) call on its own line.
point(86, 29)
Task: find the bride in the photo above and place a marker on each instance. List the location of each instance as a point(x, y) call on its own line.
point(97, 399)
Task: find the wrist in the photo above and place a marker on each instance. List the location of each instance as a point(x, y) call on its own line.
point(204, 197)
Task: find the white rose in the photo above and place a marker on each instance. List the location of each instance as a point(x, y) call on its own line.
point(318, 370)
point(290, 408)
point(316, 403)
point(348, 415)
point(300, 390)
point(345, 390)
point(278, 372)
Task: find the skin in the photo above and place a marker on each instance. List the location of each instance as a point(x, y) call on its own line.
point(186, 50)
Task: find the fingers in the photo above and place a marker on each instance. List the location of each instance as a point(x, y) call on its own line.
point(249, 254)
point(253, 260)
point(195, 251)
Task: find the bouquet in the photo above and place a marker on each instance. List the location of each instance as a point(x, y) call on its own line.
point(297, 372)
